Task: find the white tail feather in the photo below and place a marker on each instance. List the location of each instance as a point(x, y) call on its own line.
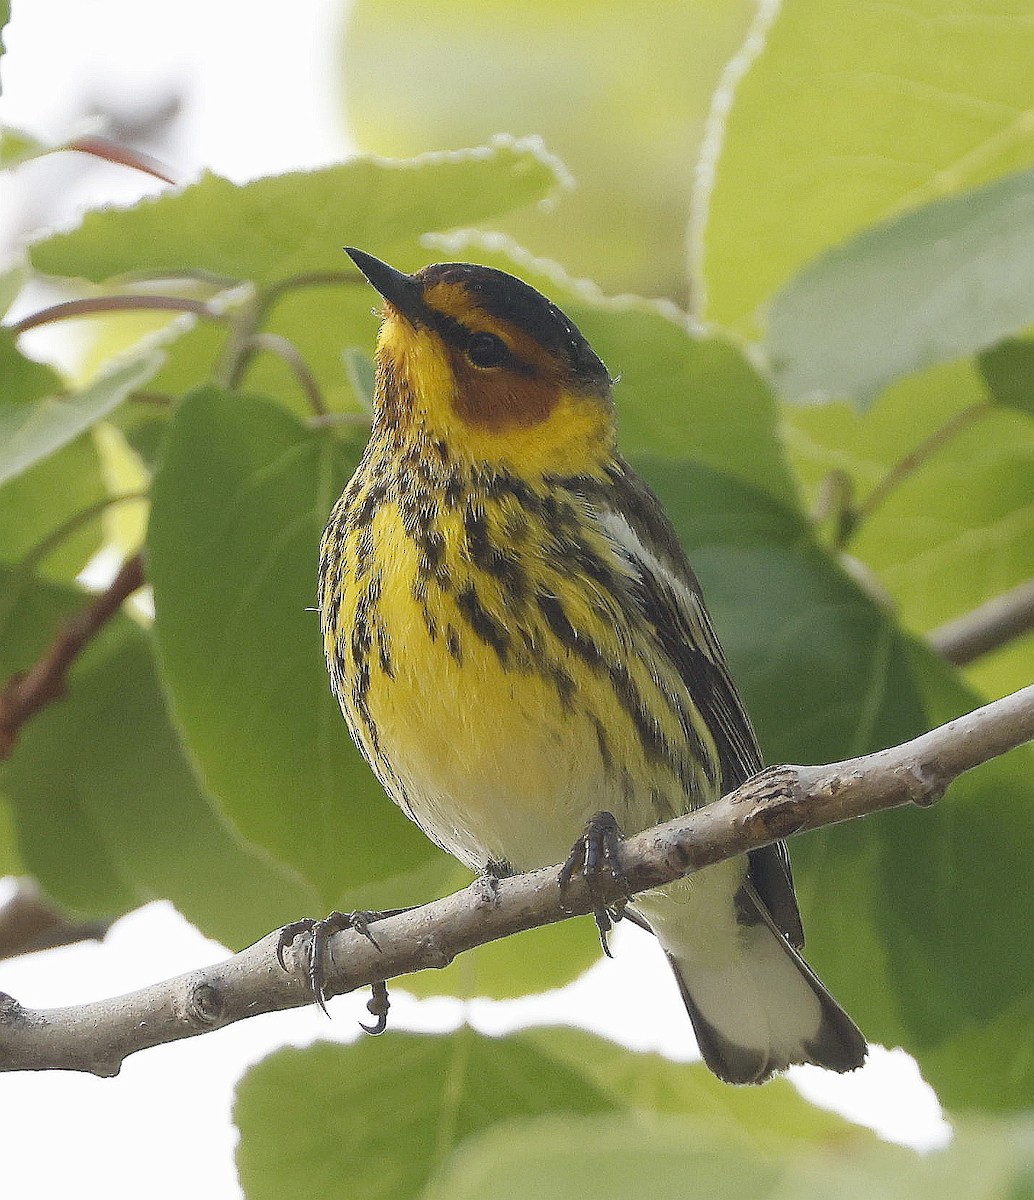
point(756, 1006)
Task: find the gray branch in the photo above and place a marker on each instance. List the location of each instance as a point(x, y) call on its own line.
point(778, 803)
point(999, 621)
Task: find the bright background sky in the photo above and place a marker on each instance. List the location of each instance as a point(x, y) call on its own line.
point(261, 95)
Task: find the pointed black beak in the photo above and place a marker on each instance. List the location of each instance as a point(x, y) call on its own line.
point(399, 289)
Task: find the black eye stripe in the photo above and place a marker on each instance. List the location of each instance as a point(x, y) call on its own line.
point(457, 335)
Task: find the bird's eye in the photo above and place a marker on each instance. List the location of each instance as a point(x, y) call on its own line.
point(486, 350)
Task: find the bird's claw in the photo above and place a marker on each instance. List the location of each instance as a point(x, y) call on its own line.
point(320, 933)
point(378, 1005)
point(598, 851)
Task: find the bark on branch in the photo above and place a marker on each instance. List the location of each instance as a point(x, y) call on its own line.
point(778, 803)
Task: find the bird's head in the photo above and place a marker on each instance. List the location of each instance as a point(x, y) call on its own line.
point(486, 364)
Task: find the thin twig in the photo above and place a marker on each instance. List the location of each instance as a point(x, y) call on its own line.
point(357, 420)
point(779, 802)
point(38, 553)
point(907, 466)
point(313, 279)
point(988, 627)
point(246, 332)
point(289, 353)
point(30, 922)
point(114, 152)
point(26, 692)
point(92, 306)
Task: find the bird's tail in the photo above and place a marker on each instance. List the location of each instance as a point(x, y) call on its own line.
point(756, 1005)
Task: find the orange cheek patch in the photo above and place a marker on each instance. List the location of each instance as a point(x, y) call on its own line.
point(497, 400)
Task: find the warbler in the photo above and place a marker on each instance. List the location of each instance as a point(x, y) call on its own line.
point(518, 642)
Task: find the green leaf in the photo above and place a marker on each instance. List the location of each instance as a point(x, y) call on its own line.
point(239, 503)
point(684, 396)
point(10, 859)
point(956, 531)
point(930, 287)
point(107, 810)
point(296, 223)
point(843, 115)
point(376, 1119)
point(616, 1156)
point(785, 612)
point(12, 280)
point(5, 16)
point(970, 875)
point(361, 374)
point(827, 675)
point(771, 1118)
point(987, 1160)
point(1008, 371)
point(320, 324)
point(29, 431)
point(36, 504)
point(610, 1157)
point(17, 147)
point(1000, 1046)
point(24, 379)
point(622, 100)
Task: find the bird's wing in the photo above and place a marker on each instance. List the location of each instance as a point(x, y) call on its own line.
point(668, 595)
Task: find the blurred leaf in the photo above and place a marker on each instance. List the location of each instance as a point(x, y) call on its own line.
point(961, 530)
point(378, 1118)
point(31, 431)
point(108, 812)
point(999, 1049)
point(958, 530)
point(17, 146)
point(682, 396)
point(320, 323)
point(125, 525)
point(848, 114)
point(315, 319)
point(143, 426)
point(239, 503)
point(789, 619)
point(10, 860)
point(610, 1157)
point(5, 16)
point(24, 379)
point(827, 675)
point(295, 223)
point(12, 279)
point(987, 1160)
point(929, 287)
point(971, 874)
point(617, 1156)
point(38, 502)
point(361, 374)
point(772, 1118)
point(622, 99)
point(1005, 670)
point(1008, 371)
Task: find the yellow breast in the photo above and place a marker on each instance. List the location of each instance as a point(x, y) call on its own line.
point(502, 700)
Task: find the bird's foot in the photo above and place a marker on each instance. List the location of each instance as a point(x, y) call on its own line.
point(596, 853)
point(320, 932)
point(492, 873)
